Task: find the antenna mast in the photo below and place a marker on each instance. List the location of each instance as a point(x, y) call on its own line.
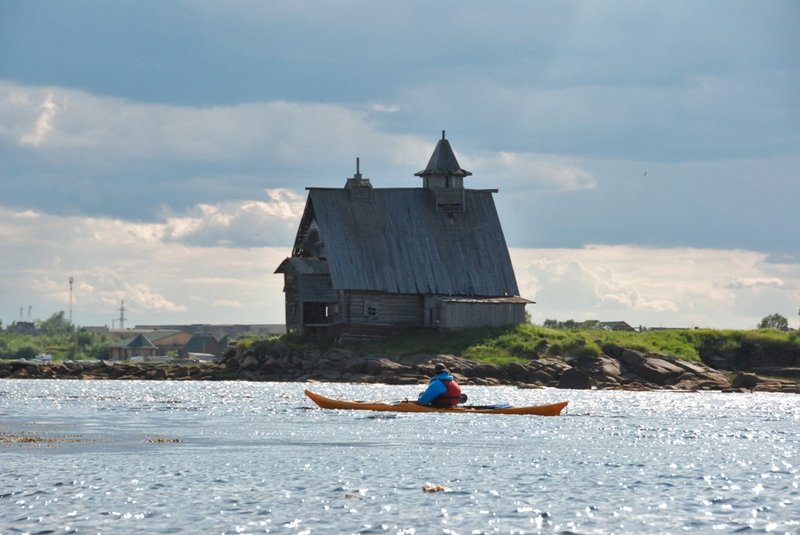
point(70, 298)
point(122, 314)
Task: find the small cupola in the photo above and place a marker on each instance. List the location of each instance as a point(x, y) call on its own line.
point(444, 177)
point(360, 188)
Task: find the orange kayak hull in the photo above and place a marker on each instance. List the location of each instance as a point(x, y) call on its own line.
point(552, 409)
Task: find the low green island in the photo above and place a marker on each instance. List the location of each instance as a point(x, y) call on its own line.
point(564, 356)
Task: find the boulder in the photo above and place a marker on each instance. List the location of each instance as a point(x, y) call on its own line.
point(518, 372)
point(659, 370)
point(484, 371)
point(250, 363)
point(747, 381)
point(382, 366)
point(600, 368)
point(700, 370)
point(542, 378)
point(352, 364)
point(631, 359)
point(575, 379)
point(779, 372)
point(279, 349)
point(327, 374)
point(718, 362)
point(335, 354)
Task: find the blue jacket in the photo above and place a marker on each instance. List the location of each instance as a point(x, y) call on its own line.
point(435, 388)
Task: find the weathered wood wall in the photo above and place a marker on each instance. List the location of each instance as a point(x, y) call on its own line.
point(468, 315)
point(390, 309)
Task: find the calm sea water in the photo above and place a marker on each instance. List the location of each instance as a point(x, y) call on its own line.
point(240, 457)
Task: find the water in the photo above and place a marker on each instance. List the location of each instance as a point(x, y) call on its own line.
point(240, 457)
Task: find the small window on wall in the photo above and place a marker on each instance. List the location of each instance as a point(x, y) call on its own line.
point(370, 309)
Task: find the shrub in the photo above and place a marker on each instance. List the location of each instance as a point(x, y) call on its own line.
point(589, 349)
point(26, 352)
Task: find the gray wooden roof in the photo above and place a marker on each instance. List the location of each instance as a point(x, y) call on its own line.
point(398, 243)
point(443, 162)
point(139, 341)
point(306, 266)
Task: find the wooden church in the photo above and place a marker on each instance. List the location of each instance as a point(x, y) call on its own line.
point(371, 261)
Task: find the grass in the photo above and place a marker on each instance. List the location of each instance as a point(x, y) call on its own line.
point(520, 343)
point(525, 342)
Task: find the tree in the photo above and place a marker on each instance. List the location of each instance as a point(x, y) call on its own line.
point(26, 351)
point(56, 325)
point(774, 321)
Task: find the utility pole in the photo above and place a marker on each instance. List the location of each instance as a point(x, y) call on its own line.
point(122, 314)
point(70, 299)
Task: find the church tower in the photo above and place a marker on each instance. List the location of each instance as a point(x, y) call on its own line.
point(444, 178)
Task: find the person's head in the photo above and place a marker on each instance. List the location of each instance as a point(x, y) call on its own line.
point(439, 368)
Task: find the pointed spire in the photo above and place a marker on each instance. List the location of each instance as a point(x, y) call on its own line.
point(443, 162)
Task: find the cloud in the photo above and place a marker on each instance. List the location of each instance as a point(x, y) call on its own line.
point(159, 279)
point(102, 152)
point(529, 171)
point(756, 282)
point(44, 123)
point(206, 273)
point(675, 287)
point(244, 223)
point(279, 132)
point(384, 108)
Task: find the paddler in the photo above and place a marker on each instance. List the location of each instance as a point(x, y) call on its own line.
point(443, 390)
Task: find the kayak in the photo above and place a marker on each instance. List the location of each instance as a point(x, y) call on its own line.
point(552, 409)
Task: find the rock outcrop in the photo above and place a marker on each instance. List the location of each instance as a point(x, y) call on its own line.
point(617, 368)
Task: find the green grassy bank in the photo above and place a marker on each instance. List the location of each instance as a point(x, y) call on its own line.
point(492, 345)
point(526, 341)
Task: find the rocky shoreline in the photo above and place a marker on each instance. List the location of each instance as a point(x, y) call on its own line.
point(618, 368)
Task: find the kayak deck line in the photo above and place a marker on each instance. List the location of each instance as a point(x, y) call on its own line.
point(551, 409)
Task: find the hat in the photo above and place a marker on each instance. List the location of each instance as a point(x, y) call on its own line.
point(439, 368)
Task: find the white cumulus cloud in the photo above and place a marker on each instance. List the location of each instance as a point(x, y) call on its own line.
point(44, 123)
point(756, 282)
point(673, 287)
point(531, 171)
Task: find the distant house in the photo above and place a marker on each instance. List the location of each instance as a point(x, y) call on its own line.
point(169, 340)
point(220, 330)
point(368, 261)
point(201, 344)
point(615, 326)
point(24, 327)
point(166, 340)
point(138, 346)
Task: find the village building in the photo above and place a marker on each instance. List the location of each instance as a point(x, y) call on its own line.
point(371, 261)
point(138, 346)
point(202, 344)
point(168, 343)
point(606, 325)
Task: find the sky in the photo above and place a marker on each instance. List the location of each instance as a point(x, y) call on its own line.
point(647, 154)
